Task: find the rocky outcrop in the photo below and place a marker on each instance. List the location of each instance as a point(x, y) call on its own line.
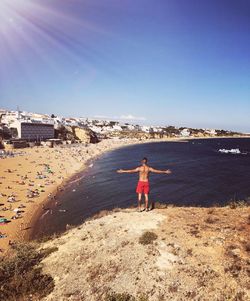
point(85, 135)
point(137, 135)
point(76, 134)
point(5, 132)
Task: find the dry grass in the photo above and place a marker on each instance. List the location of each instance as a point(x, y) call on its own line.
point(119, 297)
point(125, 297)
point(211, 210)
point(103, 213)
point(247, 246)
point(158, 205)
point(95, 272)
point(238, 204)
point(21, 276)
point(46, 238)
point(234, 268)
point(211, 220)
point(248, 220)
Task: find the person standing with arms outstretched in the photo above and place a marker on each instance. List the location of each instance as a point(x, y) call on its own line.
point(143, 183)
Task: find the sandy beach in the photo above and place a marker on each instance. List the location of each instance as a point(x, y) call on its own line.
point(28, 180)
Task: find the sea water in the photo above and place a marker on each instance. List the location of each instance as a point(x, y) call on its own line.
point(201, 176)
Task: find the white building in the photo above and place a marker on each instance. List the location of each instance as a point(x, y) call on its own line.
point(9, 117)
point(157, 129)
point(97, 129)
point(117, 127)
point(69, 122)
point(29, 126)
point(33, 129)
point(211, 132)
point(130, 127)
point(185, 133)
point(145, 129)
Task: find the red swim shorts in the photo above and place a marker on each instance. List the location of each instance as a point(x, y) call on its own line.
point(142, 187)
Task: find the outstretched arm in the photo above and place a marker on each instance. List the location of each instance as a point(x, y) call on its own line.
point(168, 171)
point(128, 170)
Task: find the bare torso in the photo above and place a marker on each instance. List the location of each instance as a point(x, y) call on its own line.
point(144, 173)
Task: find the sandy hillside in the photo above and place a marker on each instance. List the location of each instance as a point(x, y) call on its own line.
point(192, 254)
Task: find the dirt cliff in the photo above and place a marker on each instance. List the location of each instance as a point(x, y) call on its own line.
point(164, 254)
point(75, 133)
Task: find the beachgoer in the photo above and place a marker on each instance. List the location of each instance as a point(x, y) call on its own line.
point(143, 183)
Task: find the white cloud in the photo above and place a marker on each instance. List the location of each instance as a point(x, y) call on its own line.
point(131, 117)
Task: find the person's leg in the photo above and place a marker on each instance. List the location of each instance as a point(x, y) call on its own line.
point(146, 201)
point(139, 201)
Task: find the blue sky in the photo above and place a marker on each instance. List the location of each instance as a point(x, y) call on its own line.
point(179, 62)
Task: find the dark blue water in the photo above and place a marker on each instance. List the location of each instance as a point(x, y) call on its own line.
point(201, 176)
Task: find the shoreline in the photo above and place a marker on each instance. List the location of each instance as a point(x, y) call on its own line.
point(78, 174)
point(61, 187)
point(66, 166)
point(123, 143)
point(18, 233)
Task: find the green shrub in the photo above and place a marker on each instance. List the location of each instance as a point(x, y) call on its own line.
point(147, 238)
point(20, 275)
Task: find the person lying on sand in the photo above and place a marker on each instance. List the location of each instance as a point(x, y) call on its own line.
point(143, 183)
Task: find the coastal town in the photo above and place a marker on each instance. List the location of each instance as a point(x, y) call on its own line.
point(20, 129)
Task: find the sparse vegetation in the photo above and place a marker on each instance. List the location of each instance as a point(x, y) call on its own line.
point(158, 205)
point(21, 275)
point(119, 297)
point(194, 230)
point(211, 211)
point(231, 294)
point(173, 287)
point(248, 219)
point(95, 272)
point(125, 297)
point(46, 238)
point(238, 204)
point(211, 220)
point(247, 246)
point(124, 243)
point(147, 238)
point(235, 268)
point(103, 213)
